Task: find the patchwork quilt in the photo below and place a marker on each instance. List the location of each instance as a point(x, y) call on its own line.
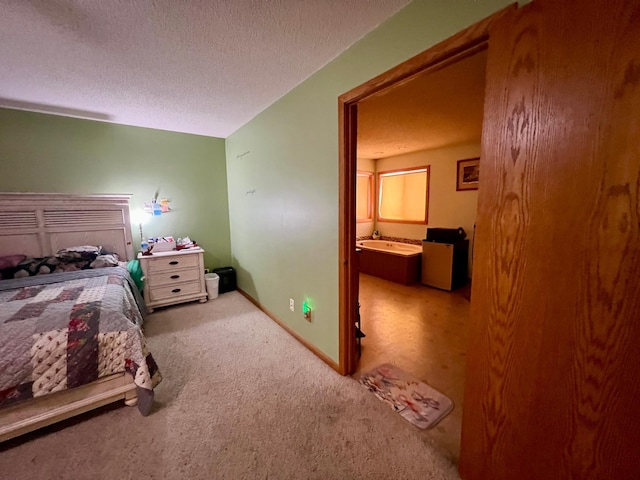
point(64, 330)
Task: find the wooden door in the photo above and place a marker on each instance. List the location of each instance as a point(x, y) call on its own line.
point(349, 271)
point(553, 376)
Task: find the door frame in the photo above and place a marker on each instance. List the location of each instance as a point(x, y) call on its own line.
point(465, 43)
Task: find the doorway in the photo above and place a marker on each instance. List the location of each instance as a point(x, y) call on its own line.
point(552, 321)
point(433, 120)
point(467, 47)
point(466, 43)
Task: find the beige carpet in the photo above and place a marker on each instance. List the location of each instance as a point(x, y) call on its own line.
point(240, 399)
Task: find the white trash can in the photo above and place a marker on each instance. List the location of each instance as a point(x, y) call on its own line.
point(212, 280)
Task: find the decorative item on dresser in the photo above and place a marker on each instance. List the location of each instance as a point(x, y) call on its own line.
point(173, 277)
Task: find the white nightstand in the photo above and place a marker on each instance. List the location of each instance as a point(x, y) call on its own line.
point(173, 277)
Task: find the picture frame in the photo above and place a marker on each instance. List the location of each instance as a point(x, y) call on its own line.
point(468, 174)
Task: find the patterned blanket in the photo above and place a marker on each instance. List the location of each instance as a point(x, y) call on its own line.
point(64, 330)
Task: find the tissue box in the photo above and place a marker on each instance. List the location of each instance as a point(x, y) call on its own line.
point(164, 244)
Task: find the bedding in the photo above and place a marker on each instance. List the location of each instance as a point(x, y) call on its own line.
point(10, 261)
point(64, 330)
point(66, 260)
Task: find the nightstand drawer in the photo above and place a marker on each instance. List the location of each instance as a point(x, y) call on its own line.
point(173, 262)
point(176, 290)
point(173, 276)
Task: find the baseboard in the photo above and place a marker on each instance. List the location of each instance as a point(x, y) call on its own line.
point(321, 355)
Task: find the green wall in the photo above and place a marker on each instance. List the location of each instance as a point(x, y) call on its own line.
point(47, 153)
point(282, 170)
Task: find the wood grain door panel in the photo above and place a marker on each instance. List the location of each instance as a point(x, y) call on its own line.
point(553, 374)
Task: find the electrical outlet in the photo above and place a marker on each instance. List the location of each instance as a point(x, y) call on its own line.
point(292, 305)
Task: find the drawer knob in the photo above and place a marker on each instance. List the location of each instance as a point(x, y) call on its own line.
point(175, 276)
point(176, 290)
point(173, 262)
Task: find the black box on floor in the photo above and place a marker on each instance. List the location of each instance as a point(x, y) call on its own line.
point(227, 279)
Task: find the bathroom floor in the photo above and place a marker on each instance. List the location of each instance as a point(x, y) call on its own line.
point(423, 331)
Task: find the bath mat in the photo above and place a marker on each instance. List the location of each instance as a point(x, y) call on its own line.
point(414, 400)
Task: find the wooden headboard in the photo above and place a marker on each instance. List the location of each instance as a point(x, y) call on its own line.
point(40, 224)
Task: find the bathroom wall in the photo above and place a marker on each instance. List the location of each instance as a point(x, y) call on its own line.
point(366, 228)
point(448, 208)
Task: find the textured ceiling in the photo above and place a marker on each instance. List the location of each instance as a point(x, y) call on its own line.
point(432, 110)
point(197, 66)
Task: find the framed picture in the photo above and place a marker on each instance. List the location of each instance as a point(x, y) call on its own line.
point(468, 174)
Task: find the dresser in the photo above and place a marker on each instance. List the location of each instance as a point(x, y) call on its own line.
point(173, 277)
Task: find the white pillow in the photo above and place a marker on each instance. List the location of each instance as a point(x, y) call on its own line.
point(110, 260)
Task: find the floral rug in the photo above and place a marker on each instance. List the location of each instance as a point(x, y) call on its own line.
point(414, 400)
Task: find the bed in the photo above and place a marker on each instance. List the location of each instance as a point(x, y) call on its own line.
point(71, 340)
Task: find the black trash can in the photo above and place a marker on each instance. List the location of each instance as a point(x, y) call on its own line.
point(227, 279)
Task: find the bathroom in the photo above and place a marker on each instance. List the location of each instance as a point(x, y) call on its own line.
point(427, 127)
